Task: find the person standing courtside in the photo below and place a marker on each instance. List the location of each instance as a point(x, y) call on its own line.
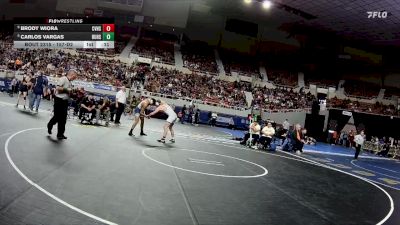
point(286, 125)
point(63, 90)
point(298, 138)
point(359, 140)
point(37, 91)
point(120, 102)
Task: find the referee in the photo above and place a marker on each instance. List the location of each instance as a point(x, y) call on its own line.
point(63, 89)
point(120, 102)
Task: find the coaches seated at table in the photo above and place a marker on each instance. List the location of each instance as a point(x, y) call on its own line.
point(76, 99)
point(255, 133)
point(267, 134)
point(281, 134)
point(103, 109)
point(87, 107)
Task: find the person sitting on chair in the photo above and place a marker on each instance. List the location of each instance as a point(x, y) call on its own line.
point(87, 106)
point(255, 133)
point(281, 134)
point(266, 136)
point(77, 98)
point(103, 108)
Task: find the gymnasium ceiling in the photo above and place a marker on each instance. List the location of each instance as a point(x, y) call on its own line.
point(348, 18)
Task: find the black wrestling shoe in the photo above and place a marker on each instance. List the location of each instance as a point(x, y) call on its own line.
point(143, 134)
point(172, 140)
point(61, 137)
point(130, 134)
point(162, 140)
point(49, 129)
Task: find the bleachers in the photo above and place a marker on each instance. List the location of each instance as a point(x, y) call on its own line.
point(391, 91)
point(195, 86)
point(199, 56)
point(357, 106)
point(244, 65)
point(279, 99)
point(322, 81)
point(158, 51)
point(361, 89)
point(282, 77)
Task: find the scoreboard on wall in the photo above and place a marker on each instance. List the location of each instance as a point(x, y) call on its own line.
point(95, 33)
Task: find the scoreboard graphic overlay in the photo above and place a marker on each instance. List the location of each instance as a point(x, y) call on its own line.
point(95, 33)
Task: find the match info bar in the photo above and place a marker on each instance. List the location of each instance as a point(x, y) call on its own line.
point(64, 33)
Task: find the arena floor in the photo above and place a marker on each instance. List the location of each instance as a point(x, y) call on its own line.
point(102, 176)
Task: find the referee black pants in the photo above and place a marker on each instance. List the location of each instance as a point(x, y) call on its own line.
point(60, 116)
point(120, 110)
point(358, 149)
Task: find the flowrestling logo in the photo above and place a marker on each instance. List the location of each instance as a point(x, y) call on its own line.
point(377, 14)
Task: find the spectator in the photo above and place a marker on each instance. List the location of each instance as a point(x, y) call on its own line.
point(214, 117)
point(103, 109)
point(87, 107)
point(286, 125)
point(199, 57)
point(183, 114)
point(39, 85)
point(298, 138)
point(254, 133)
point(267, 134)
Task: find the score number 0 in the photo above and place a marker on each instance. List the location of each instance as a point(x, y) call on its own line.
point(108, 27)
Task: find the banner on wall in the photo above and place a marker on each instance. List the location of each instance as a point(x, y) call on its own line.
point(226, 120)
point(104, 87)
point(84, 84)
point(346, 113)
point(144, 60)
point(245, 78)
point(322, 90)
point(5, 84)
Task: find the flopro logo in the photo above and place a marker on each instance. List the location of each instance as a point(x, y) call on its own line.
point(377, 14)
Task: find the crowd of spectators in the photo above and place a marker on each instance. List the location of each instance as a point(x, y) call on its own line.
point(377, 108)
point(321, 81)
point(281, 99)
point(361, 89)
point(156, 50)
point(282, 78)
point(55, 62)
point(195, 86)
point(391, 91)
point(157, 46)
point(199, 57)
point(177, 84)
point(244, 65)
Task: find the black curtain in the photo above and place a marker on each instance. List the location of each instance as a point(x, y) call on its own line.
point(341, 120)
point(315, 126)
point(376, 125)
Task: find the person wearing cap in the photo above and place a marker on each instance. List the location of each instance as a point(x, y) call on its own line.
point(38, 86)
point(139, 114)
point(63, 91)
point(120, 102)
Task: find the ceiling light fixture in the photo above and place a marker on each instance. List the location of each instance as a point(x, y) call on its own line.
point(247, 1)
point(266, 4)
